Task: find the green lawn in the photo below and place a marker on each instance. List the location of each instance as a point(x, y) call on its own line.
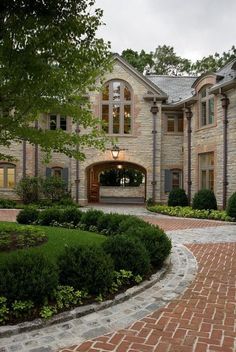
point(58, 239)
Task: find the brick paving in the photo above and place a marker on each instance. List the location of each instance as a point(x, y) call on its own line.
point(201, 320)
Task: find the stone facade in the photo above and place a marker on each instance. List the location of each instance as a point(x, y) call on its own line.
point(137, 148)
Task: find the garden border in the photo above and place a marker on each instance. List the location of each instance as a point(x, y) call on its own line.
point(9, 330)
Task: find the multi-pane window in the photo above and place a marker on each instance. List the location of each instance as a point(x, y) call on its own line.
point(206, 172)
point(7, 176)
point(207, 107)
point(57, 121)
point(117, 108)
point(173, 179)
point(175, 123)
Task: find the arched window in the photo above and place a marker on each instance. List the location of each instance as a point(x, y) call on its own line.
point(207, 106)
point(7, 176)
point(117, 108)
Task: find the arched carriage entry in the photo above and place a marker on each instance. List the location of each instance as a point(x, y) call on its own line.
point(116, 182)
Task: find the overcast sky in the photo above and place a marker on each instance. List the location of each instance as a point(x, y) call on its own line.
point(195, 28)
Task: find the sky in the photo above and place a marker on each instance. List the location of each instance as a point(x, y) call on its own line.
point(195, 28)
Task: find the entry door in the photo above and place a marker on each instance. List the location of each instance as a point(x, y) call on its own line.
point(94, 193)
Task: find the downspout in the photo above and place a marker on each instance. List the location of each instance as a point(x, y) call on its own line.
point(189, 118)
point(24, 159)
point(225, 103)
point(36, 154)
point(154, 110)
point(77, 171)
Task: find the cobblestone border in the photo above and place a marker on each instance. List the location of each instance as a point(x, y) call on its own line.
point(9, 330)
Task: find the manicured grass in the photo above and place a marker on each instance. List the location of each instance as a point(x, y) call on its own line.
point(58, 239)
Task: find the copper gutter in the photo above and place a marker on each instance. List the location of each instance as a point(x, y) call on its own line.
point(189, 118)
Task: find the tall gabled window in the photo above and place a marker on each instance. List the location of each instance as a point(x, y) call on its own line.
point(117, 108)
point(7, 176)
point(207, 107)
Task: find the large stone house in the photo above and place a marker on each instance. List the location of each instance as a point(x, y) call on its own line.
point(174, 131)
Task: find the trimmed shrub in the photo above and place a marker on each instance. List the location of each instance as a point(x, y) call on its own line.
point(29, 189)
point(231, 207)
point(48, 216)
point(71, 215)
point(28, 276)
point(204, 199)
point(110, 223)
point(128, 254)
point(7, 204)
point(28, 215)
point(91, 217)
point(86, 268)
point(178, 197)
point(130, 221)
point(154, 240)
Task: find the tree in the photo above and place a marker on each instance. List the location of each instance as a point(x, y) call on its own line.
point(138, 60)
point(166, 62)
point(213, 63)
point(50, 58)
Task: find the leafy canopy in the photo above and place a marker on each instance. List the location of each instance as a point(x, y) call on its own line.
point(164, 61)
point(50, 58)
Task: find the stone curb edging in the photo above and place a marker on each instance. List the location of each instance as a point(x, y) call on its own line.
point(7, 331)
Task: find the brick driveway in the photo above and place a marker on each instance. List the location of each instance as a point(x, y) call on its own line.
point(202, 320)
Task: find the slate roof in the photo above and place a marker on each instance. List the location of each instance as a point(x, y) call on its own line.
point(226, 73)
point(176, 87)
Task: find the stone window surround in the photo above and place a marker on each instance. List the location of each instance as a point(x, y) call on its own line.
point(206, 100)
point(207, 169)
point(121, 103)
point(176, 115)
point(58, 121)
point(6, 166)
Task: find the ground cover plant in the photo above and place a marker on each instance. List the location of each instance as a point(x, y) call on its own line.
point(88, 256)
point(189, 212)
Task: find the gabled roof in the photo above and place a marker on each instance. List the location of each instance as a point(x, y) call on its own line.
point(226, 74)
point(176, 87)
point(141, 77)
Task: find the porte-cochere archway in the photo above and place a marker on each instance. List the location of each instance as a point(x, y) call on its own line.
point(116, 182)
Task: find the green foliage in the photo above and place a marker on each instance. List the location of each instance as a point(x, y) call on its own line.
point(54, 188)
point(7, 204)
point(188, 212)
point(22, 309)
point(128, 177)
point(231, 206)
point(29, 189)
point(47, 312)
point(164, 61)
point(86, 268)
point(128, 254)
point(71, 215)
point(4, 310)
point(48, 216)
point(156, 242)
point(138, 60)
point(28, 215)
point(204, 199)
point(130, 221)
point(108, 224)
point(50, 58)
point(91, 217)
point(178, 197)
point(149, 202)
point(15, 237)
point(27, 276)
point(67, 296)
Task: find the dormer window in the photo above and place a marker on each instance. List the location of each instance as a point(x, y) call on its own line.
point(207, 107)
point(117, 108)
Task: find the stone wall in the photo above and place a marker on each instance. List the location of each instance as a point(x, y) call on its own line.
point(122, 192)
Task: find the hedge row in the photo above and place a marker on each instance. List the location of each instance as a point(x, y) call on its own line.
point(132, 246)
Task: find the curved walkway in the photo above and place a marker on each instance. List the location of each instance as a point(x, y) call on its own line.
point(201, 319)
